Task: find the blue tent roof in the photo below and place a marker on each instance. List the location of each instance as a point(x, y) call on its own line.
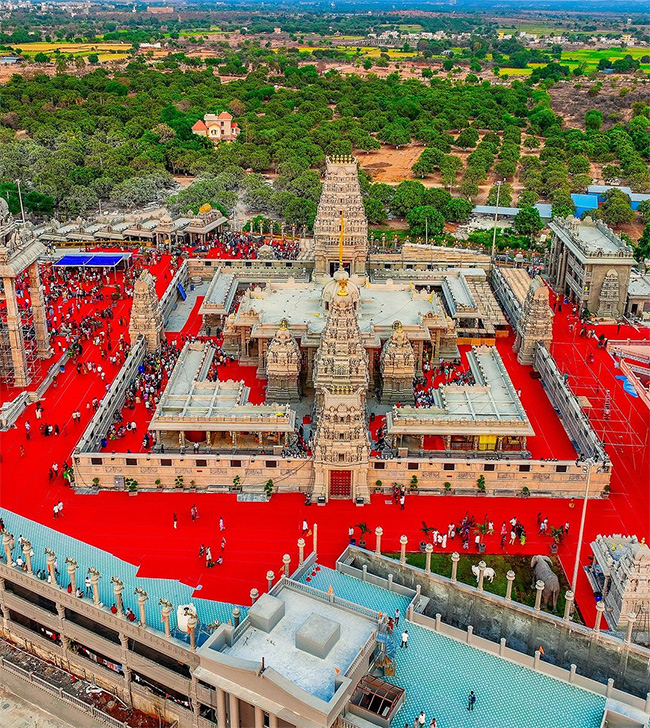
point(91, 260)
point(588, 202)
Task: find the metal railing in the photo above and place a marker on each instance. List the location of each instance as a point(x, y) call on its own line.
point(367, 648)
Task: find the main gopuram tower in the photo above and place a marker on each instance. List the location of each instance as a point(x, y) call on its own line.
point(340, 214)
point(341, 442)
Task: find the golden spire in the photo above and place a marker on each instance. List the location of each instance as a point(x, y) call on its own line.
point(341, 242)
point(343, 287)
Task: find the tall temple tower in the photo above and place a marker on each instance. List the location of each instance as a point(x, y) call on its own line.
point(341, 442)
point(146, 316)
point(536, 322)
point(340, 209)
point(283, 367)
point(397, 368)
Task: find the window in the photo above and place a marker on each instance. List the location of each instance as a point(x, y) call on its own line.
point(524, 468)
point(92, 626)
point(29, 596)
point(165, 462)
point(561, 468)
point(96, 461)
point(489, 467)
point(413, 466)
point(341, 457)
point(271, 463)
point(379, 465)
point(131, 461)
point(235, 463)
point(449, 466)
point(201, 463)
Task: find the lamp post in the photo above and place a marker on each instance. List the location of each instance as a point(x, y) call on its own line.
point(498, 183)
point(20, 198)
point(586, 468)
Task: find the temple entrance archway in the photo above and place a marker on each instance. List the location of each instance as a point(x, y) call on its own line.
point(340, 484)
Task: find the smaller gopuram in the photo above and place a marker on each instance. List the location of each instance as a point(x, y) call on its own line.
point(397, 365)
point(146, 316)
point(283, 366)
point(24, 336)
point(340, 227)
point(621, 573)
point(535, 323)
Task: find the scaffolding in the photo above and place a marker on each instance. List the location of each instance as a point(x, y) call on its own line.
point(29, 347)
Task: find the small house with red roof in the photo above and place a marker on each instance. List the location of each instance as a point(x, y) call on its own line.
point(218, 127)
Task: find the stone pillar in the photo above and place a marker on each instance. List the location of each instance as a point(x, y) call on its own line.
point(94, 580)
point(481, 574)
point(510, 576)
point(50, 558)
point(270, 578)
point(118, 588)
point(301, 551)
point(455, 558)
point(379, 532)
point(568, 606)
point(27, 552)
point(631, 618)
point(72, 568)
point(234, 711)
point(273, 721)
point(539, 586)
point(236, 616)
point(600, 610)
point(315, 538)
point(221, 708)
point(167, 608)
point(192, 621)
point(7, 543)
point(286, 562)
point(15, 333)
point(403, 540)
point(38, 312)
point(428, 550)
point(254, 595)
point(259, 717)
point(142, 600)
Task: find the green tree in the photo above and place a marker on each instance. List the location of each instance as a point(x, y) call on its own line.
point(41, 58)
point(375, 210)
point(467, 139)
point(616, 209)
point(593, 119)
point(528, 221)
point(93, 58)
point(425, 218)
point(409, 194)
point(457, 210)
point(642, 248)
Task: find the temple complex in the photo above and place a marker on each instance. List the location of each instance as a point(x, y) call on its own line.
point(146, 316)
point(397, 368)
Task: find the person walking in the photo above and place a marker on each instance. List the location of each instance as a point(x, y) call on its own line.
point(88, 585)
point(402, 501)
point(223, 543)
point(396, 617)
point(28, 428)
point(60, 507)
point(422, 719)
point(208, 556)
point(175, 517)
point(471, 700)
point(222, 525)
point(405, 638)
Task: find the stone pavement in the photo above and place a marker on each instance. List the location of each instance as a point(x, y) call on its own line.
point(18, 713)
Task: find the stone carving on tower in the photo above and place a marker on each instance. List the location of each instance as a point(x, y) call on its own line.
point(283, 367)
point(608, 301)
point(146, 316)
point(397, 365)
point(341, 442)
point(341, 358)
point(340, 205)
point(535, 323)
point(19, 252)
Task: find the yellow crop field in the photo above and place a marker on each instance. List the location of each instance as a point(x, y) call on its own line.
point(77, 49)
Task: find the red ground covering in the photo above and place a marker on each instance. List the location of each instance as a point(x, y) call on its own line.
point(140, 530)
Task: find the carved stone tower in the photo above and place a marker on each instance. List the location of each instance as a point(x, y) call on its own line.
point(397, 366)
point(19, 252)
point(610, 296)
point(340, 204)
point(536, 322)
point(341, 359)
point(341, 443)
point(283, 367)
point(146, 316)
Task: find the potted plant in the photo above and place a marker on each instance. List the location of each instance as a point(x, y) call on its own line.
point(378, 485)
point(268, 488)
point(96, 482)
point(132, 486)
point(236, 483)
point(447, 487)
point(178, 483)
point(525, 492)
point(481, 529)
point(158, 484)
point(413, 485)
point(363, 527)
point(192, 486)
point(606, 490)
point(480, 484)
point(557, 535)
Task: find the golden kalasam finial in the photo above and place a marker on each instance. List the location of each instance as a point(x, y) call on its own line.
point(343, 287)
point(284, 324)
point(397, 326)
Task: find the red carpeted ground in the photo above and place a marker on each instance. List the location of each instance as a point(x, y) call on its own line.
point(258, 534)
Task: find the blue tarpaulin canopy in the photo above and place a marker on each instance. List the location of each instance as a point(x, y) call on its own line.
point(91, 260)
